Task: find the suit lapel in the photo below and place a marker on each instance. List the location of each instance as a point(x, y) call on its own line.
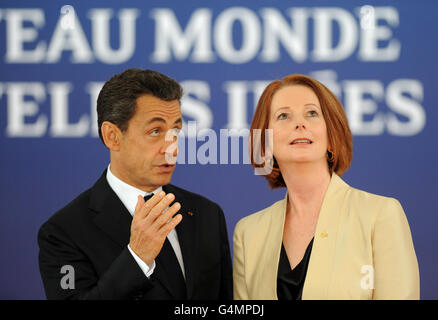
point(186, 236)
point(113, 218)
point(321, 264)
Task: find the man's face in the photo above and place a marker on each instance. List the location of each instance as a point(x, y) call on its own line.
point(141, 160)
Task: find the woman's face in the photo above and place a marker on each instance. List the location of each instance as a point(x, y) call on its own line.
point(299, 128)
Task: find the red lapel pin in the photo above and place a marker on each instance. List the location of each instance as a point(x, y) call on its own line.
point(190, 213)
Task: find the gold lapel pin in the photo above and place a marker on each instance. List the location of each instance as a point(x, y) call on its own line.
point(324, 234)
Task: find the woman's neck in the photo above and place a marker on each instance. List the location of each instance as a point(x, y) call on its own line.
point(306, 185)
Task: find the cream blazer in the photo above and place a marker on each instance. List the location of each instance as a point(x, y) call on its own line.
point(362, 249)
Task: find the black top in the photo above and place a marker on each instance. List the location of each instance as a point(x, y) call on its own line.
point(290, 281)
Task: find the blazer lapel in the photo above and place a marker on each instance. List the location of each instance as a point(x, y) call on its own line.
point(321, 263)
point(273, 247)
point(320, 268)
point(113, 218)
point(261, 275)
point(186, 231)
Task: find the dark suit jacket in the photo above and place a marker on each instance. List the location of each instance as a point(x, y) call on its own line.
point(92, 233)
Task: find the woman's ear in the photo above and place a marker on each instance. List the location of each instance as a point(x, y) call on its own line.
point(111, 135)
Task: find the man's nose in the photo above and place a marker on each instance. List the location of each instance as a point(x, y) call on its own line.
point(170, 150)
point(170, 144)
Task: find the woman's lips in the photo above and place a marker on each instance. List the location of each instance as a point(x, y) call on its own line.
point(301, 141)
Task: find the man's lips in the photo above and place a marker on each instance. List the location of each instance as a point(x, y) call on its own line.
point(301, 141)
point(166, 167)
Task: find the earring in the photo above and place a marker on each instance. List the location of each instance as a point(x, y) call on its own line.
point(330, 156)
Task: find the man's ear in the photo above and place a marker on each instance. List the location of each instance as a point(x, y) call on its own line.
point(111, 135)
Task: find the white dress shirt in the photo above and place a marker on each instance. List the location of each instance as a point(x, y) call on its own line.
point(128, 195)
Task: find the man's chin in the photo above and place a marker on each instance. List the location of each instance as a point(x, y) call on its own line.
point(164, 178)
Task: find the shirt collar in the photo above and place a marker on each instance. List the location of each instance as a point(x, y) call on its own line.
point(126, 193)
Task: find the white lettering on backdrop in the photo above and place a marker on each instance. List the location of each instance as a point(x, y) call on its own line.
point(36, 109)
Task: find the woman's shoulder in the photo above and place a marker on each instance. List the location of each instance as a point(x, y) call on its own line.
point(367, 204)
point(366, 198)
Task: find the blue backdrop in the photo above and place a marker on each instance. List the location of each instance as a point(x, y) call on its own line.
point(379, 57)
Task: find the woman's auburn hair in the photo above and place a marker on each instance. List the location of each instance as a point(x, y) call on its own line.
point(338, 131)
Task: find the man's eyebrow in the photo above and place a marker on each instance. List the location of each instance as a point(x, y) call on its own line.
point(159, 119)
point(156, 119)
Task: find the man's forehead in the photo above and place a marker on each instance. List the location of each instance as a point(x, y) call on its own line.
point(152, 107)
point(150, 100)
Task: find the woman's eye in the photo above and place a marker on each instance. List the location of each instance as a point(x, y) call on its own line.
point(155, 132)
point(312, 113)
point(282, 116)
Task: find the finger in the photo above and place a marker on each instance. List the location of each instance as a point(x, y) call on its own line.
point(140, 203)
point(150, 204)
point(167, 227)
point(166, 216)
point(158, 209)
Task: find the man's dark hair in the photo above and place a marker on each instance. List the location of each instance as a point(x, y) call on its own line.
point(118, 98)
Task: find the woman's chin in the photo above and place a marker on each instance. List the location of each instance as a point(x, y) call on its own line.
point(302, 160)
